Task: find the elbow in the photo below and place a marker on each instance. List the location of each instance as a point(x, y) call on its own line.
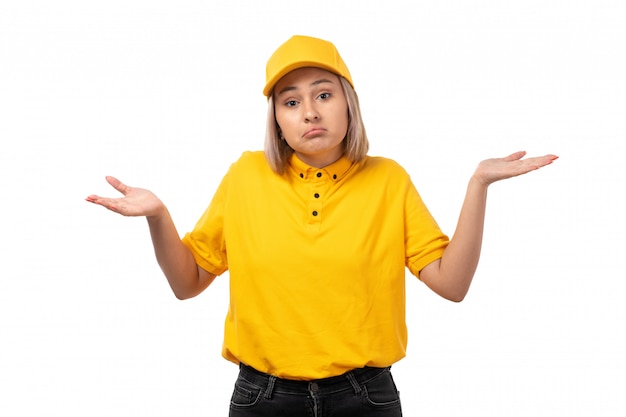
point(185, 289)
point(457, 291)
point(183, 294)
point(451, 295)
point(455, 296)
point(448, 284)
point(181, 297)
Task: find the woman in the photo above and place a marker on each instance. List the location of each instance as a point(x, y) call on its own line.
point(316, 236)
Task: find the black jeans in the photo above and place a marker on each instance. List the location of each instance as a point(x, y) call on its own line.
point(365, 392)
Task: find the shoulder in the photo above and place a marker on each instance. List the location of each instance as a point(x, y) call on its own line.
point(251, 170)
point(380, 165)
point(250, 161)
point(251, 158)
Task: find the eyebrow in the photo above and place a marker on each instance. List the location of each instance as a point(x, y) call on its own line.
point(314, 83)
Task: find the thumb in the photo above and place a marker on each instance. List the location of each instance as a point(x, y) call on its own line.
point(118, 185)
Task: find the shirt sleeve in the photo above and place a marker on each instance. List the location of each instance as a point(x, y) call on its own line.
point(424, 240)
point(206, 241)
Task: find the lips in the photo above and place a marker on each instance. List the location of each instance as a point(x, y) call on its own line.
point(314, 132)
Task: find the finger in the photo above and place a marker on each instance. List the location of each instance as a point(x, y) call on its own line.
point(101, 201)
point(515, 156)
point(116, 205)
point(542, 161)
point(533, 164)
point(117, 184)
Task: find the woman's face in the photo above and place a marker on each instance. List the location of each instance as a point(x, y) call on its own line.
point(312, 114)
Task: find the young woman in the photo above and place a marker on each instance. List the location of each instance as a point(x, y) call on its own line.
point(317, 236)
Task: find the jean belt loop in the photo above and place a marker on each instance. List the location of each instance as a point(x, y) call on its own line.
point(353, 382)
point(270, 387)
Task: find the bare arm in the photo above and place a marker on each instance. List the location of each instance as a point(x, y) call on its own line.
point(451, 276)
point(185, 277)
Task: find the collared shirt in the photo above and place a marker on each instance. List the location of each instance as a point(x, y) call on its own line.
point(317, 260)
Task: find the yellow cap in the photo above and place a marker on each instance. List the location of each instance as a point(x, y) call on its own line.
point(303, 51)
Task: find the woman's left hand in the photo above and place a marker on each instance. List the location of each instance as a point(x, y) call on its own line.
point(496, 169)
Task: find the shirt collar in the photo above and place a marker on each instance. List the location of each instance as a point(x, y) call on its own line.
point(334, 171)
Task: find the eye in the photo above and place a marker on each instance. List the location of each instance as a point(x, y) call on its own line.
point(324, 96)
point(291, 103)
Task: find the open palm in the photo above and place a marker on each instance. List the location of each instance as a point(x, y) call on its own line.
point(135, 201)
point(496, 169)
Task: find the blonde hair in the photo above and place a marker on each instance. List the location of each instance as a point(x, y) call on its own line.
point(355, 144)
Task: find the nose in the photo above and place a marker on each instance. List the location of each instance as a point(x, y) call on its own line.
point(310, 112)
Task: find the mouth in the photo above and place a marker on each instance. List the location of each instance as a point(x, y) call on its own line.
point(314, 132)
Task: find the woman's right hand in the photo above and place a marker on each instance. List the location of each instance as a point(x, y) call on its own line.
point(135, 202)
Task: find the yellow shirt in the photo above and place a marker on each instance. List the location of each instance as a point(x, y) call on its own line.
point(317, 261)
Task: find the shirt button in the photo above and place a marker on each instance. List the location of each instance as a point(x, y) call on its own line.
point(314, 212)
point(319, 174)
point(335, 176)
point(301, 175)
point(316, 195)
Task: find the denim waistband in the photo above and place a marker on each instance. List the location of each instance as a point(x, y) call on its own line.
point(350, 380)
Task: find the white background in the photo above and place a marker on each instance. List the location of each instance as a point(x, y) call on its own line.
point(166, 94)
